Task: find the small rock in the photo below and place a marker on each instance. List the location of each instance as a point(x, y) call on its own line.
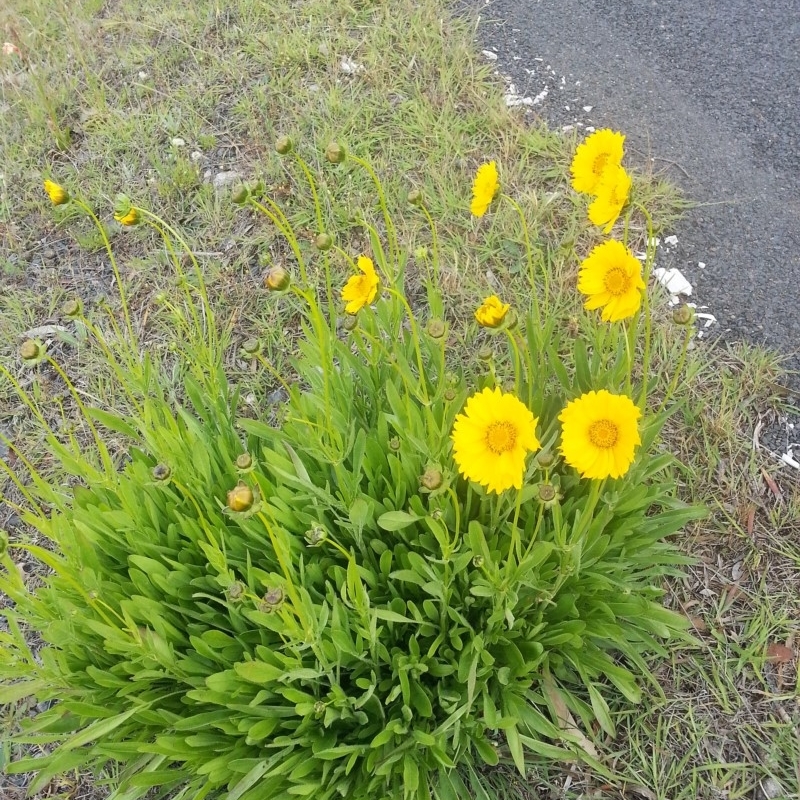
point(48, 255)
point(195, 155)
point(178, 142)
point(770, 789)
point(488, 54)
point(222, 179)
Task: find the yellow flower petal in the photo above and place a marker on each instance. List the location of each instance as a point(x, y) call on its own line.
point(484, 188)
point(612, 194)
point(491, 439)
point(58, 194)
point(603, 149)
point(599, 434)
point(492, 312)
point(361, 290)
point(611, 279)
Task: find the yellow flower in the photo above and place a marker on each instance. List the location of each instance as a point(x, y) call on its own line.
point(491, 438)
point(599, 434)
point(492, 312)
point(611, 278)
point(58, 194)
point(484, 188)
point(360, 290)
point(599, 151)
point(131, 217)
point(612, 194)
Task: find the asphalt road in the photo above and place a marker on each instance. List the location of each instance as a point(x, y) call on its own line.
point(708, 92)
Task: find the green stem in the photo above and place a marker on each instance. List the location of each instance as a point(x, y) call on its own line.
point(531, 268)
point(678, 369)
point(647, 313)
point(312, 184)
point(517, 362)
point(278, 219)
point(415, 335)
point(275, 374)
point(101, 447)
point(434, 244)
point(117, 277)
point(390, 231)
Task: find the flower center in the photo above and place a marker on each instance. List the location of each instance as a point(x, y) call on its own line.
point(501, 437)
point(616, 281)
point(603, 433)
point(599, 163)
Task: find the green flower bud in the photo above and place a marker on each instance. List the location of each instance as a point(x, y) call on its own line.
point(277, 280)
point(316, 536)
point(486, 353)
point(161, 472)
point(548, 495)
point(545, 459)
point(683, 314)
point(284, 145)
point(323, 241)
point(271, 601)
point(244, 461)
point(335, 153)
point(240, 498)
point(547, 492)
point(431, 479)
point(252, 347)
point(416, 198)
point(239, 197)
point(436, 328)
point(449, 395)
point(30, 350)
point(236, 592)
point(477, 562)
point(350, 322)
point(72, 309)
point(319, 708)
point(394, 444)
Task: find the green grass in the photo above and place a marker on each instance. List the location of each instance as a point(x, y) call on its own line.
point(98, 100)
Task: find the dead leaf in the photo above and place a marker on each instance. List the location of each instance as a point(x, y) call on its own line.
point(750, 520)
point(565, 719)
point(778, 653)
point(731, 594)
point(773, 487)
point(698, 623)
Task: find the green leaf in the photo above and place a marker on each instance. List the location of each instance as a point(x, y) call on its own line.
point(258, 672)
point(396, 520)
point(99, 729)
point(410, 774)
point(515, 746)
point(16, 691)
point(113, 422)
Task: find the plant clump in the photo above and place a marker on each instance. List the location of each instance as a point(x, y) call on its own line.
point(435, 561)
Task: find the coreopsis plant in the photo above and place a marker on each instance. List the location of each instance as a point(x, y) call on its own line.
point(434, 562)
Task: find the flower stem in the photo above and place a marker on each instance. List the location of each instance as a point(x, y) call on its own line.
point(531, 268)
point(678, 369)
point(390, 230)
point(649, 260)
point(312, 184)
point(117, 277)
